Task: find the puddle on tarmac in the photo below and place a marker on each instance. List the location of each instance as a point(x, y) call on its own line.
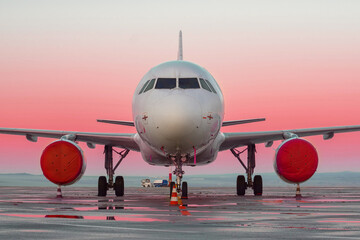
point(271, 200)
point(322, 200)
point(220, 204)
point(293, 203)
point(64, 200)
point(201, 205)
point(210, 219)
point(110, 207)
point(269, 212)
point(206, 211)
point(128, 218)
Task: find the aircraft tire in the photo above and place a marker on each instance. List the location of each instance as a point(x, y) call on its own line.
point(258, 185)
point(184, 190)
point(119, 186)
point(102, 186)
point(171, 187)
point(240, 185)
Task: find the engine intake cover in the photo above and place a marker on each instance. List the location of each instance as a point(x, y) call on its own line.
point(63, 162)
point(296, 160)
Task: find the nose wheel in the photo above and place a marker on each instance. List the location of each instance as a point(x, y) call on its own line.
point(171, 187)
point(184, 194)
point(181, 188)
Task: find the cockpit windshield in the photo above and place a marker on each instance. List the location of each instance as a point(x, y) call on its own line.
point(186, 83)
point(143, 88)
point(150, 85)
point(204, 85)
point(212, 88)
point(183, 83)
point(165, 83)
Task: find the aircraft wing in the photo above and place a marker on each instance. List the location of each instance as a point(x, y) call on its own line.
point(123, 140)
point(233, 140)
point(231, 123)
point(124, 123)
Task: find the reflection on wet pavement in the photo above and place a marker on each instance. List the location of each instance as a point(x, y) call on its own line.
point(216, 210)
point(129, 218)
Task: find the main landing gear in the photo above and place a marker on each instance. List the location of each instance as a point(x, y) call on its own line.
point(178, 161)
point(241, 184)
point(118, 185)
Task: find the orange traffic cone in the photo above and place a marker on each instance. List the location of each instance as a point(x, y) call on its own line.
point(174, 198)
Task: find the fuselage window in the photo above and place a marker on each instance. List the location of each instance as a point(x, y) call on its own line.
point(165, 83)
point(186, 83)
point(212, 88)
point(142, 89)
point(204, 85)
point(150, 85)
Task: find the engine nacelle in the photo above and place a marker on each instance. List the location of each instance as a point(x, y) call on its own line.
point(63, 162)
point(296, 160)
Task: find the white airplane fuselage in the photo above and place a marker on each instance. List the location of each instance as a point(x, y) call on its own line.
point(178, 120)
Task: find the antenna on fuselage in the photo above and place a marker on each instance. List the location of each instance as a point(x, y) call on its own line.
point(180, 51)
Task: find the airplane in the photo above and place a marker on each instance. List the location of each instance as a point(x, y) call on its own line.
point(178, 112)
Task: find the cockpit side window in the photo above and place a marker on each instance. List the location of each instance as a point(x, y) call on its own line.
point(204, 85)
point(142, 89)
point(212, 88)
point(186, 83)
point(165, 83)
point(150, 85)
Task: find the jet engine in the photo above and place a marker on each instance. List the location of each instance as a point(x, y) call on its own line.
point(296, 160)
point(63, 162)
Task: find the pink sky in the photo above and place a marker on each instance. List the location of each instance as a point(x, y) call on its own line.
point(65, 64)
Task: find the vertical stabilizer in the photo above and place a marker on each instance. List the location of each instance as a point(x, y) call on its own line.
point(180, 51)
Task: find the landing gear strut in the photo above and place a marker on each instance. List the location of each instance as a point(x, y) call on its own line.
point(104, 185)
point(178, 161)
point(241, 184)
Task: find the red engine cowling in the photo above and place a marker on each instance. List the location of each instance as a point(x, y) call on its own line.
point(63, 162)
point(296, 160)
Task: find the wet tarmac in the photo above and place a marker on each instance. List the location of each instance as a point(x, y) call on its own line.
point(209, 213)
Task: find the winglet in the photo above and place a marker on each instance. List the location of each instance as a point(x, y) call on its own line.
point(180, 51)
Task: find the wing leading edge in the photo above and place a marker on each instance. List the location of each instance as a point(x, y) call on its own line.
point(124, 123)
point(236, 122)
point(123, 140)
point(233, 140)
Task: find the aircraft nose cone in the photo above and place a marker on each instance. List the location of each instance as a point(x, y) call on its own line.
point(177, 116)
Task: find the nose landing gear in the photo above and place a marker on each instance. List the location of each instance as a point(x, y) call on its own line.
point(241, 184)
point(178, 161)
